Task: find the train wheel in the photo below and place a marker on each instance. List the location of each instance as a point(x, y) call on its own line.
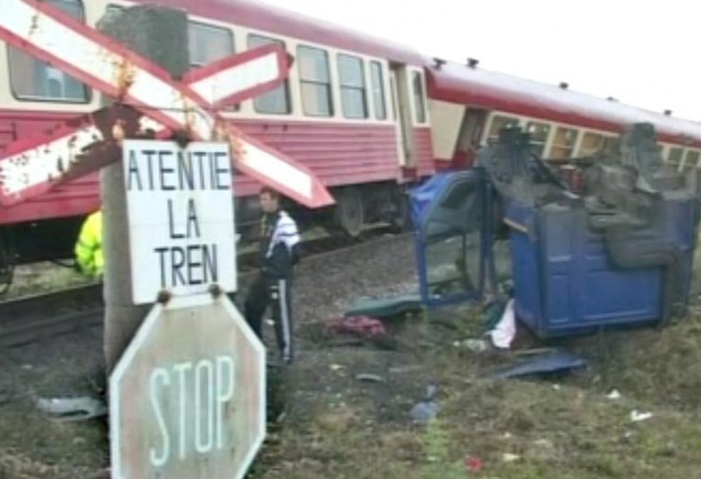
point(350, 212)
point(400, 220)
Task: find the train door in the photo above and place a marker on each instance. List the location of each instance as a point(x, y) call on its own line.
point(471, 131)
point(401, 102)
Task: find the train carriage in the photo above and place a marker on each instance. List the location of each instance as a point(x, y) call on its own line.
point(353, 110)
point(470, 105)
point(369, 117)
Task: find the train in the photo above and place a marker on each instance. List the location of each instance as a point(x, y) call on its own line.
point(368, 116)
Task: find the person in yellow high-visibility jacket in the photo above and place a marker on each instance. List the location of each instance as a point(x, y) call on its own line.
point(88, 249)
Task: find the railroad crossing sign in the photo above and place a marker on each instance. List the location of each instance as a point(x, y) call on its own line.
point(187, 399)
point(73, 148)
point(181, 217)
point(27, 170)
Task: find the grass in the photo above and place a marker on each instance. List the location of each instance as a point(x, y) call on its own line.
point(566, 428)
point(560, 428)
point(659, 367)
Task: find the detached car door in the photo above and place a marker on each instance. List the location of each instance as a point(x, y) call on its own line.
point(453, 230)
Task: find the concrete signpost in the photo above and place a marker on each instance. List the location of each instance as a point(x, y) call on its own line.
point(187, 396)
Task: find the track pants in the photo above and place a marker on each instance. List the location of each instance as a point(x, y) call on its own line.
point(276, 293)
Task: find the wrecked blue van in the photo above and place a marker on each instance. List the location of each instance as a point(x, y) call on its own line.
point(618, 253)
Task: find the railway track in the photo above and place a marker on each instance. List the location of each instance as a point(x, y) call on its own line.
point(31, 318)
point(35, 318)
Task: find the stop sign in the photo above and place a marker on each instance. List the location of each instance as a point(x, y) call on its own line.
point(187, 398)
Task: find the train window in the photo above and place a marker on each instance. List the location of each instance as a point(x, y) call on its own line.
point(112, 9)
point(471, 129)
point(419, 103)
point(275, 101)
point(499, 122)
point(675, 156)
point(610, 142)
point(564, 142)
point(315, 80)
point(692, 158)
point(539, 136)
point(378, 90)
point(208, 43)
point(351, 73)
point(592, 143)
point(36, 80)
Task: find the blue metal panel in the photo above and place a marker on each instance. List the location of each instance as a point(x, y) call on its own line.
point(565, 280)
point(450, 213)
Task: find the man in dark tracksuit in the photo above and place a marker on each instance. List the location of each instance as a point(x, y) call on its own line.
point(279, 243)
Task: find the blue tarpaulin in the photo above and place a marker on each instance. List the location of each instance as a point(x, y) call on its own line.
point(422, 196)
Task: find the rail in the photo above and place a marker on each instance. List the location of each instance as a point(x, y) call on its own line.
point(28, 318)
point(38, 317)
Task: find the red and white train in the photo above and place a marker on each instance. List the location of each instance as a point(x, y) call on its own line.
point(369, 117)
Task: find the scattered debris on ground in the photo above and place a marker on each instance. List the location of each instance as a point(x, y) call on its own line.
point(421, 410)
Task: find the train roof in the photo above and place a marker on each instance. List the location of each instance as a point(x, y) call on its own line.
point(453, 82)
point(261, 16)
point(463, 84)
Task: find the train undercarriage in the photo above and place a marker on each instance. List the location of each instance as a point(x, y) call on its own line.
point(358, 208)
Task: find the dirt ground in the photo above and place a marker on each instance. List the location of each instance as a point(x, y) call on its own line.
point(339, 426)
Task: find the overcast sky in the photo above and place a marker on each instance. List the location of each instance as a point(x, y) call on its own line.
point(645, 54)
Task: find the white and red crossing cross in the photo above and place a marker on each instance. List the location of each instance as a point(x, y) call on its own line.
point(32, 166)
